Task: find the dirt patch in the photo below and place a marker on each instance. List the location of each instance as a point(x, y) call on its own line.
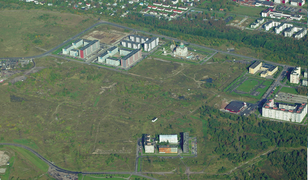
point(4, 158)
point(19, 78)
point(103, 89)
point(106, 37)
point(61, 175)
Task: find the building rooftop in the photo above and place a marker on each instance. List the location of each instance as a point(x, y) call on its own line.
point(170, 138)
point(103, 54)
point(235, 106)
point(132, 42)
point(88, 45)
point(113, 58)
point(255, 64)
point(112, 48)
point(293, 108)
point(130, 54)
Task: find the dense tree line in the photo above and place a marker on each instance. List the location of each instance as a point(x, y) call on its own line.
point(293, 163)
point(276, 48)
point(238, 137)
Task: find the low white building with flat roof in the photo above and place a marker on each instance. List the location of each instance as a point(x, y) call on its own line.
point(172, 139)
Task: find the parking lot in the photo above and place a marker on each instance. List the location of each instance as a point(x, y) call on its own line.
point(291, 9)
point(292, 98)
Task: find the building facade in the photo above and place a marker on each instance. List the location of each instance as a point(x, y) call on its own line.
point(172, 139)
point(255, 67)
point(151, 44)
point(168, 149)
point(295, 75)
point(148, 144)
point(185, 142)
point(286, 112)
point(131, 58)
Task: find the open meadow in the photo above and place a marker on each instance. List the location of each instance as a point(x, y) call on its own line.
point(86, 118)
point(32, 32)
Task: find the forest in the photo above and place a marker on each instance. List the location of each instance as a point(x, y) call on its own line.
point(241, 138)
point(275, 48)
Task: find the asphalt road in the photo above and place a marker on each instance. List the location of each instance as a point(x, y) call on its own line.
point(68, 171)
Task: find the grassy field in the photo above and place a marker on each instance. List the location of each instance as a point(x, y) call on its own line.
point(31, 32)
point(288, 90)
point(112, 177)
point(246, 10)
point(24, 164)
point(67, 118)
point(248, 85)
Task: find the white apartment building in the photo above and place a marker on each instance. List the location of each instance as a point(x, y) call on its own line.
point(151, 44)
point(281, 27)
point(300, 33)
point(297, 2)
point(268, 25)
point(286, 112)
point(295, 74)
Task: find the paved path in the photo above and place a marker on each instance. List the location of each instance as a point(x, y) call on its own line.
point(68, 171)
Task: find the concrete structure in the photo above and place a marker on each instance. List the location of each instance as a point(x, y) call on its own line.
point(130, 44)
point(86, 48)
point(148, 144)
point(102, 57)
point(112, 51)
point(281, 27)
point(138, 39)
point(113, 61)
point(270, 12)
point(255, 67)
point(297, 2)
point(305, 74)
point(180, 50)
point(74, 52)
point(168, 149)
point(268, 69)
point(172, 139)
point(268, 25)
point(168, 10)
point(258, 22)
point(281, 1)
point(67, 49)
point(305, 82)
point(286, 112)
point(124, 52)
point(300, 34)
point(296, 31)
point(166, 5)
point(173, 15)
point(183, 8)
point(295, 74)
point(151, 44)
point(185, 142)
point(174, 1)
point(235, 106)
point(131, 58)
point(157, 4)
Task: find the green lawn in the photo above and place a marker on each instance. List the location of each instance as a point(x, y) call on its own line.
point(246, 10)
point(32, 158)
point(288, 90)
point(248, 85)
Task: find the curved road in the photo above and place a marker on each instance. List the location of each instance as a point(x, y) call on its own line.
point(68, 171)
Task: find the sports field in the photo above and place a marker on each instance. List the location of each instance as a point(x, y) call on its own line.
point(248, 85)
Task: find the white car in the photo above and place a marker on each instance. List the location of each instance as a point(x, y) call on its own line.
point(154, 119)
